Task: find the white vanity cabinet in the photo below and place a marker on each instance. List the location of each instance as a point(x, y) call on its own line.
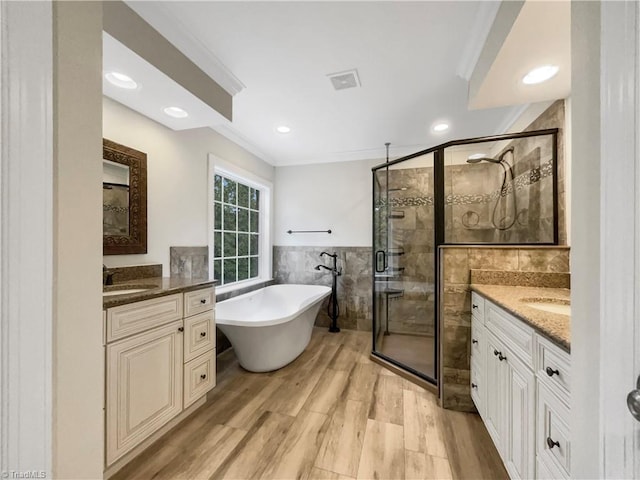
point(199, 344)
point(520, 403)
point(144, 386)
point(158, 362)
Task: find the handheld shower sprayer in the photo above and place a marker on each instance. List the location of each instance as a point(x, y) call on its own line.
point(502, 224)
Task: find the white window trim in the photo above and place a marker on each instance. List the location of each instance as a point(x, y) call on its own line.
point(229, 170)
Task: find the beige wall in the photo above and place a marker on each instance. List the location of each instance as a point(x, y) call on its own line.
point(78, 382)
point(586, 429)
point(176, 179)
point(334, 196)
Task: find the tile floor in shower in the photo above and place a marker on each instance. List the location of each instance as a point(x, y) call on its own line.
point(415, 351)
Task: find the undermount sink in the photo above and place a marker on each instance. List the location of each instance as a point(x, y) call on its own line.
point(551, 305)
point(111, 290)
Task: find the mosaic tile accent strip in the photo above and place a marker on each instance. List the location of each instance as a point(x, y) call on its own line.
point(521, 181)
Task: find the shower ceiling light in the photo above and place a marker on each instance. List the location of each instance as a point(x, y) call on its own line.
point(283, 129)
point(540, 74)
point(176, 112)
point(121, 80)
point(440, 127)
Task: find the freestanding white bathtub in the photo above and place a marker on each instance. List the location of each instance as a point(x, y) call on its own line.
point(270, 327)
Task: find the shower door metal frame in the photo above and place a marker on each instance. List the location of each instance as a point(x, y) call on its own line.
point(439, 228)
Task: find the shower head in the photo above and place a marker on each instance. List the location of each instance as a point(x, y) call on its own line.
point(475, 159)
point(335, 255)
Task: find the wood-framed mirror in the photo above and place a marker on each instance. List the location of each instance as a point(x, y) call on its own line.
point(124, 193)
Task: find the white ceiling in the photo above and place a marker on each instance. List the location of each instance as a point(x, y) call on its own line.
point(276, 56)
point(540, 35)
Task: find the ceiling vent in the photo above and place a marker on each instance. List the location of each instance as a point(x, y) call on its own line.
point(343, 80)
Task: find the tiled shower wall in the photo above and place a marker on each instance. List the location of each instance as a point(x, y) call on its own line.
point(455, 316)
point(409, 232)
point(469, 209)
point(296, 265)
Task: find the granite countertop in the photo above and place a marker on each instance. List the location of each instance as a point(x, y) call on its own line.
point(556, 327)
point(155, 287)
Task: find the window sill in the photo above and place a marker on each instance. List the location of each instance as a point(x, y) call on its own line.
point(241, 285)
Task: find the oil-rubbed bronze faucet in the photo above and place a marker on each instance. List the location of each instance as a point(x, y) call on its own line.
point(107, 275)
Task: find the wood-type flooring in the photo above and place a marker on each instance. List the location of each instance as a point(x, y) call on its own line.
point(331, 414)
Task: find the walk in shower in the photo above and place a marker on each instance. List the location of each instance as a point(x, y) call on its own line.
point(499, 190)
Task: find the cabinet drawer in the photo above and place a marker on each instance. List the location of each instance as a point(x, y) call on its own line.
point(137, 317)
point(477, 343)
point(199, 301)
point(477, 306)
point(553, 444)
point(516, 335)
point(199, 377)
point(553, 367)
point(199, 335)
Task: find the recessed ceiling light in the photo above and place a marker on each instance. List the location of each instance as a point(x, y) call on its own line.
point(440, 127)
point(283, 129)
point(176, 112)
point(476, 156)
point(121, 80)
point(540, 74)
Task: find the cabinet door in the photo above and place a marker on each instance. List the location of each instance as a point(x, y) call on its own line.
point(496, 394)
point(144, 386)
point(520, 424)
point(478, 360)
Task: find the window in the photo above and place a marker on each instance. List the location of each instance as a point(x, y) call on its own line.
point(236, 232)
point(239, 226)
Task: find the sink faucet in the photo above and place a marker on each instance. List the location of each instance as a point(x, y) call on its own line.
point(107, 275)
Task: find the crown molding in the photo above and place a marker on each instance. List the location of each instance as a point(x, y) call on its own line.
point(227, 130)
point(477, 37)
point(160, 18)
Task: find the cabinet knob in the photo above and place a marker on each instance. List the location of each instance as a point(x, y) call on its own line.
point(473, 385)
point(551, 443)
point(551, 372)
point(203, 376)
point(501, 357)
point(496, 353)
point(203, 334)
point(181, 329)
point(203, 301)
point(474, 305)
point(474, 341)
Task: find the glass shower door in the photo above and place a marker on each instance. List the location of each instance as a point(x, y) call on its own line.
point(404, 326)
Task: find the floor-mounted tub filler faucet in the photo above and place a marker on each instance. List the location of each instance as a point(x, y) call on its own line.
point(333, 310)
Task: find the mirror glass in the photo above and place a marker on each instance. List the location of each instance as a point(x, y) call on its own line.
point(115, 198)
point(124, 194)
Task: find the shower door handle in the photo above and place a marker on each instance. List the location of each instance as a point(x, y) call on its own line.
point(381, 258)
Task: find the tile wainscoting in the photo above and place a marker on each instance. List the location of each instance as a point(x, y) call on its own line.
point(455, 300)
point(296, 265)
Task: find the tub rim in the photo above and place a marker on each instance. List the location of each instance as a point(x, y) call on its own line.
point(308, 302)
